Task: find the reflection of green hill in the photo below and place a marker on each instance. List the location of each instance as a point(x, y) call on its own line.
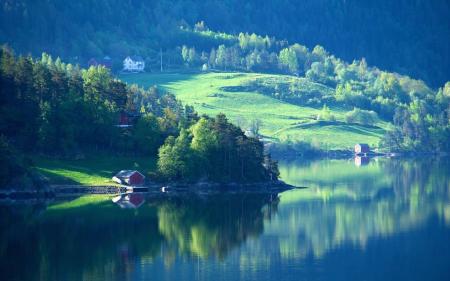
point(415, 191)
point(329, 172)
point(334, 178)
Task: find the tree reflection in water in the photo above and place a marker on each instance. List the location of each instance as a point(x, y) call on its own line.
point(99, 240)
point(348, 204)
point(213, 225)
point(92, 238)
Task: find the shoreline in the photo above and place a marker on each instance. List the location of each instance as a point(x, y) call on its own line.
point(50, 191)
point(60, 191)
point(344, 154)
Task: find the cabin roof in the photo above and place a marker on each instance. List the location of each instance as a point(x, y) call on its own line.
point(363, 144)
point(137, 58)
point(127, 173)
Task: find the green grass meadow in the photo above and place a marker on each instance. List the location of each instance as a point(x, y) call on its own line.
point(208, 93)
point(94, 171)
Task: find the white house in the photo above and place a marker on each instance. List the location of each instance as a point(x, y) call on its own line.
point(133, 64)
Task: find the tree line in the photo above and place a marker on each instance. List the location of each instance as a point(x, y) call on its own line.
point(409, 37)
point(61, 110)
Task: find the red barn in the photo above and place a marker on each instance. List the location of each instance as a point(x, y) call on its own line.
point(129, 177)
point(362, 148)
point(127, 119)
point(124, 119)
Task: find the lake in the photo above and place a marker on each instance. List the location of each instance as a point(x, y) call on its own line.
point(358, 219)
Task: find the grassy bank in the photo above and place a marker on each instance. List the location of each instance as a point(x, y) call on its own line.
point(94, 170)
point(212, 93)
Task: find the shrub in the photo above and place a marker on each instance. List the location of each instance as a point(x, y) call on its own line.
point(365, 117)
point(325, 114)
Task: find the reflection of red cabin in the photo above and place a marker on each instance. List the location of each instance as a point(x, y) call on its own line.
point(362, 161)
point(129, 200)
point(136, 199)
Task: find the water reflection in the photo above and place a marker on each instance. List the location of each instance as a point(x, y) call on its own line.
point(246, 236)
point(362, 161)
point(129, 200)
point(344, 205)
point(75, 240)
point(213, 226)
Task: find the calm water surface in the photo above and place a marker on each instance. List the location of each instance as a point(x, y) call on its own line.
point(377, 220)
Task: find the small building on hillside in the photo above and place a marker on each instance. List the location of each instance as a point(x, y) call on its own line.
point(126, 119)
point(134, 64)
point(129, 177)
point(362, 148)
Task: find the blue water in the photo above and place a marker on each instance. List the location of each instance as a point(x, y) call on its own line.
point(388, 219)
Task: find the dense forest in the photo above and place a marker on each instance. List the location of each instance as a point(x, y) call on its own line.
point(409, 37)
point(60, 110)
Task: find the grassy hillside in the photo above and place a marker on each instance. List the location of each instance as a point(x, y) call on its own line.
point(95, 170)
point(211, 93)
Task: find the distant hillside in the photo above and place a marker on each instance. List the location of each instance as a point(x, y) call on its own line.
point(280, 121)
point(409, 37)
point(384, 110)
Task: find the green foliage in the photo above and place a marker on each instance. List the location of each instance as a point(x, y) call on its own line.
point(12, 165)
point(418, 128)
point(52, 107)
point(147, 134)
point(363, 117)
point(325, 114)
point(176, 158)
point(215, 150)
point(92, 170)
point(204, 140)
point(74, 111)
point(288, 58)
point(82, 29)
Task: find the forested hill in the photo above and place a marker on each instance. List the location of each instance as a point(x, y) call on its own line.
point(409, 37)
point(57, 109)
